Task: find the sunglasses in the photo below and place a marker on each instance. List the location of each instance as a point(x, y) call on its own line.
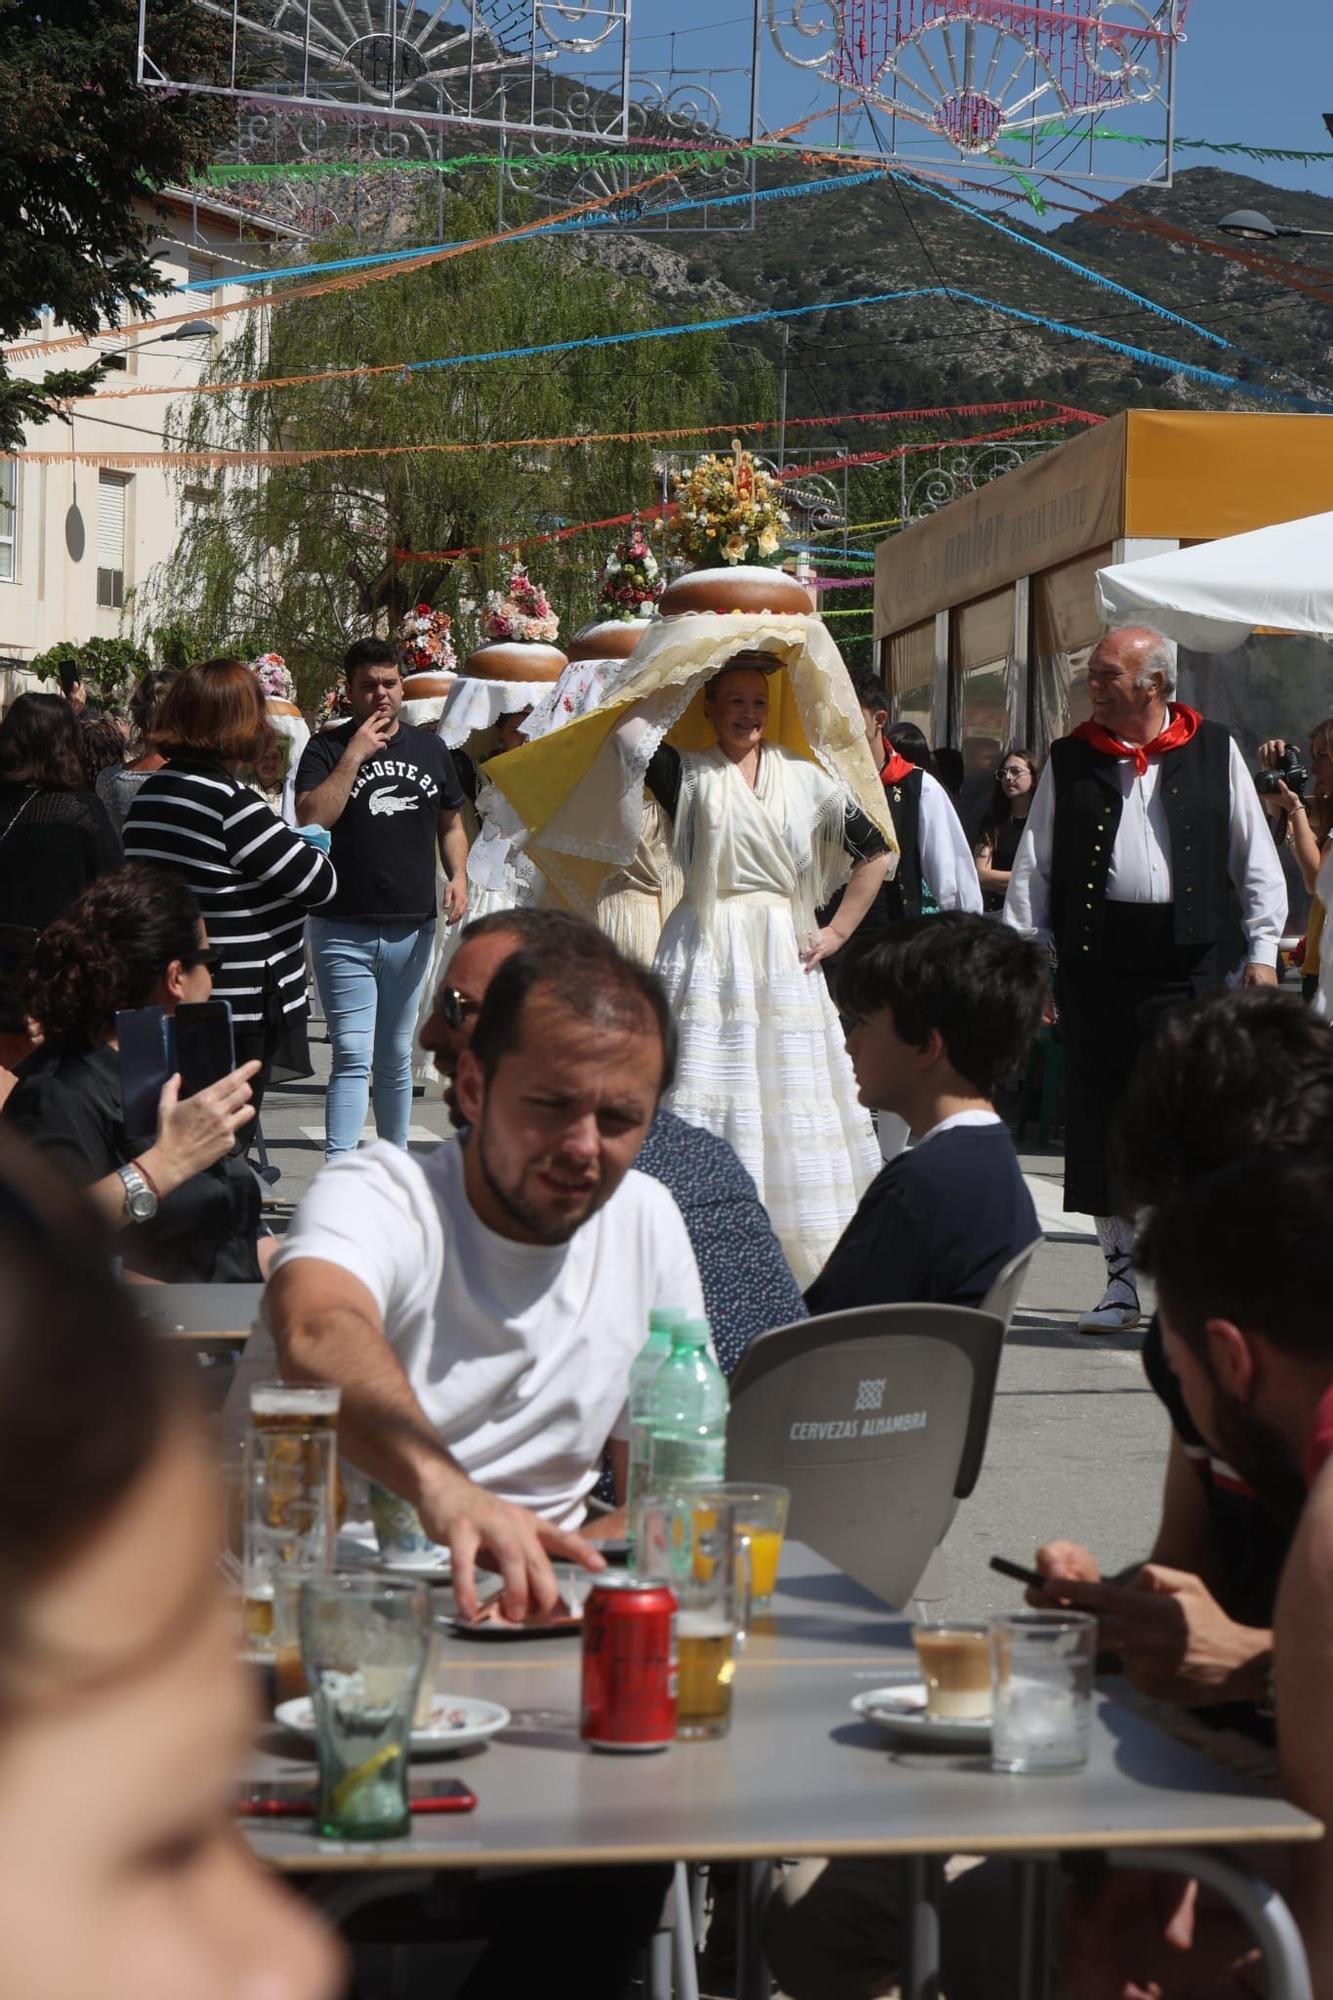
point(212, 959)
point(456, 1007)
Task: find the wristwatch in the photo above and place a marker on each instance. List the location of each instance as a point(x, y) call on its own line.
point(140, 1194)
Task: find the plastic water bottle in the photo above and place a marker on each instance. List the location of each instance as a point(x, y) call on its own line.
point(662, 1323)
point(688, 1414)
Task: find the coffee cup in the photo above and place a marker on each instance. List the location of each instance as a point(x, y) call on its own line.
point(955, 1666)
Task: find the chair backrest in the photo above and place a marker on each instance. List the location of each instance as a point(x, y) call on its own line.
point(1003, 1296)
point(872, 1418)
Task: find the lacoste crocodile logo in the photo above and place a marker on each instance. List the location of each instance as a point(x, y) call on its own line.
point(390, 802)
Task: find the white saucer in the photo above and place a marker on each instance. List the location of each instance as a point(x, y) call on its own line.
point(434, 1562)
point(901, 1710)
point(456, 1722)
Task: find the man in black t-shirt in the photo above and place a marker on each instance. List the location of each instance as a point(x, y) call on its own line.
point(389, 795)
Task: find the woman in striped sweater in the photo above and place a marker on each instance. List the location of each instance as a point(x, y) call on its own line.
point(255, 879)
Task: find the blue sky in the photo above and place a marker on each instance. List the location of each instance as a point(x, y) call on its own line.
point(1246, 72)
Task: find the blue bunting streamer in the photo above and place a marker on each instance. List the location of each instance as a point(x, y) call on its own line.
point(1260, 391)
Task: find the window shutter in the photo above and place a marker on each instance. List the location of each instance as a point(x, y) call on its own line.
point(111, 520)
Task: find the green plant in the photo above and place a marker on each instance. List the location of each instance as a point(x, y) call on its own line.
point(110, 666)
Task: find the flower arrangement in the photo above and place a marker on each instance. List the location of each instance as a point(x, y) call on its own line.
point(426, 642)
point(631, 581)
point(727, 511)
point(522, 612)
point(274, 677)
point(333, 706)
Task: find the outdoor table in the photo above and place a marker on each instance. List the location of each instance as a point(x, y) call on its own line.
point(210, 1317)
point(799, 1775)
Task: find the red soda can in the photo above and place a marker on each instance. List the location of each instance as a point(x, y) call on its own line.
point(629, 1664)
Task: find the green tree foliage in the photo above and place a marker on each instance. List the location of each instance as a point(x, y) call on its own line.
point(302, 559)
point(80, 145)
point(111, 666)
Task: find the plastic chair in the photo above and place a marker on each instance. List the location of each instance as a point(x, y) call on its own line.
point(876, 1420)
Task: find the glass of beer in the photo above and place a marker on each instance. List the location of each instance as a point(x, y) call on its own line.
point(694, 1540)
point(295, 1406)
point(290, 1517)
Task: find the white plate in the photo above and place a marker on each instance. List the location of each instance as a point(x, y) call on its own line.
point(901, 1710)
point(457, 1722)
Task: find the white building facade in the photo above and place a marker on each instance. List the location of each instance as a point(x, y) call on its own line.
point(77, 541)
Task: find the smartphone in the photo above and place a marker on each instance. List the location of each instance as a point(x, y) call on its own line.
point(147, 1059)
point(1033, 1578)
point(285, 1799)
point(294, 1799)
point(205, 1048)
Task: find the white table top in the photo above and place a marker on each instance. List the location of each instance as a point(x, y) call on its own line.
point(798, 1774)
point(198, 1313)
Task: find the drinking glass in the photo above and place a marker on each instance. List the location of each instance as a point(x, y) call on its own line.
point(365, 1642)
point(1041, 1690)
point(954, 1658)
point(290, 1517)
point(295, 1406)
point(694, 1541)
point(761, 1522)
point(398, 1530)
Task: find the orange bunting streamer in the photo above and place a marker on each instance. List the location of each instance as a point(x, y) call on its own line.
point(791, 473)
point(314, 454)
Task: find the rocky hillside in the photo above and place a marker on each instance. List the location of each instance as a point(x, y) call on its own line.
point(889, 237)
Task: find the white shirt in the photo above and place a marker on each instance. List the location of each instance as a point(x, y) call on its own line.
point(945, 857)
point(1140, 870)
point(518, 1353)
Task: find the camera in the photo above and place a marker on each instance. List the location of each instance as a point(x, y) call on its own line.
point(1290, 772)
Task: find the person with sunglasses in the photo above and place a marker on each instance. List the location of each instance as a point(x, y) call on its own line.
point(186, 1203)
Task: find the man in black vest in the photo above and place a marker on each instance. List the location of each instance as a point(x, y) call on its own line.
point(935, 870)
point(1144, 825)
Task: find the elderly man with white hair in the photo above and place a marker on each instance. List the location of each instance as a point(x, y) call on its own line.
point(1144, 835)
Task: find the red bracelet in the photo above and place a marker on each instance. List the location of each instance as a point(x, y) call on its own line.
point(139, 1167)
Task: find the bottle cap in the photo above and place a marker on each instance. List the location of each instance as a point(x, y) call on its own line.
point(665, 1319)
point(691, 1333)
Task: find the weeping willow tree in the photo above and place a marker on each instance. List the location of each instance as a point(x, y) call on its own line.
point(301, 559)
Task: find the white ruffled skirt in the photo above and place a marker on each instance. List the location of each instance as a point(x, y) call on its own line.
point(762, 1064)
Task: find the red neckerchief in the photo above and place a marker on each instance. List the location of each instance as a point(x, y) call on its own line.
point(1179, 730)
point(895, 769)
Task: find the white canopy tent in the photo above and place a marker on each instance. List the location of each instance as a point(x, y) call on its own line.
point(1211, 598)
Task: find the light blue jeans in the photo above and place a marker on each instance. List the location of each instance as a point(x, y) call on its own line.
point(370, 978)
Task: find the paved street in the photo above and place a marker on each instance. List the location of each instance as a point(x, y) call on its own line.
point(1077, 1442)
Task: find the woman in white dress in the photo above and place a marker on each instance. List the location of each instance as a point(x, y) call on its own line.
point(763, 836)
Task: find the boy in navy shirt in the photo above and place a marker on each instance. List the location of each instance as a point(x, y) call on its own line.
point(940, 1009)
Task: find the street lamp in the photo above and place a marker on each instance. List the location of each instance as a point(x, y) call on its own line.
point(194, 329)
point(1254, 227)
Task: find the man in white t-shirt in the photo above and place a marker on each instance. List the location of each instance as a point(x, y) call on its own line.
point(480, 1308)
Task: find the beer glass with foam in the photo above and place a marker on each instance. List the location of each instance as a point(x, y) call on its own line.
point(695, 1540)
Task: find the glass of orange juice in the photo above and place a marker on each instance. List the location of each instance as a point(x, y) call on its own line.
point(761, 1520)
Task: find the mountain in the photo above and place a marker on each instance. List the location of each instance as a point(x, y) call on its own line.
point(890, 236)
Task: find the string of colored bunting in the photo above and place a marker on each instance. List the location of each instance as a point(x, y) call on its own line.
point(1055, 413)
point(1260, 391)
point(787, 475)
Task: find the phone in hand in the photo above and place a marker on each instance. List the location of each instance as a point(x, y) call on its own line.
point(294, 1798)
point(205, 1046)
point(147, 1060)
point(1020, 1573)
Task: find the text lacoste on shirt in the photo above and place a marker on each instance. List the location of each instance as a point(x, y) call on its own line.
point(395, 770)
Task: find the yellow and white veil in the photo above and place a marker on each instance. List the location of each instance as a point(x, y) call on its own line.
point(580, 792)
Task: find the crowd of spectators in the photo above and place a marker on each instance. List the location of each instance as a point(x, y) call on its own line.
point(479, 1304)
